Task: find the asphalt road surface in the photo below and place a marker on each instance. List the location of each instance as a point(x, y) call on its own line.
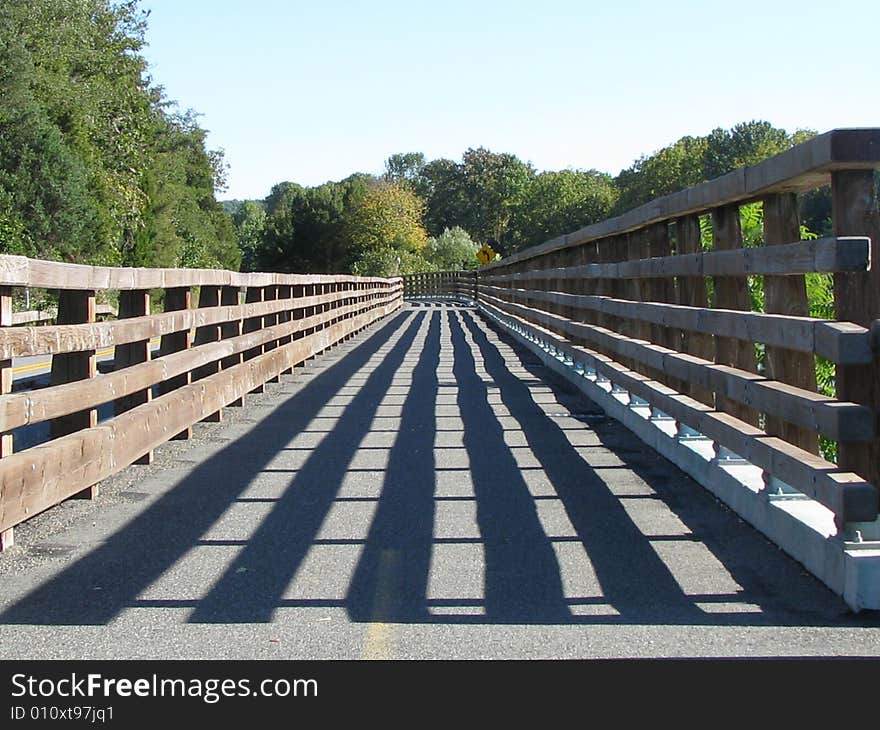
point(425, 490)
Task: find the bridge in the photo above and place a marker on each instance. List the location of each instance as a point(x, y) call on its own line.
point(596, 447)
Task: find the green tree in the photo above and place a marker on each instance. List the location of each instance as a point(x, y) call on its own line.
point(560, 202)
point(745, 144)
point(452, 250)
point(404, 167)
point(249, 220)
point(495, 184)
point(306, 228)
point(93, 166)
point(441, 184)
point(47, 205)
point(668, 170)
point(386, 225)
point(388, 215)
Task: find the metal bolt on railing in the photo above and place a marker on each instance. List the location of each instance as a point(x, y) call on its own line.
point(775, 488)
point(683, 432)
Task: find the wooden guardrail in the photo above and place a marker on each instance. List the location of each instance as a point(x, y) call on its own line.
point(245, 330)
point(639, 299)
point(37, 316)
point(433, 284)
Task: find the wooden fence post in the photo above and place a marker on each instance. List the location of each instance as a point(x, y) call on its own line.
point(692, 293)
point(230, 296)
point(285, 293)
point(787, 295)
point(133, 303)
point(7, 537)
point(855, 212)
point(253, 295)
point(75, 307)
point(176, 299)
point(270, 294)
point(732, 292)
point(209, 297)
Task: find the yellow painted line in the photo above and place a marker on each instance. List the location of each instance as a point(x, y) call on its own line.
point(377, 644)
point(32, 366)
point(47, 363)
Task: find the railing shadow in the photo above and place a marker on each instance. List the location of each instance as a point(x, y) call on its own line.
point(633, 577)
point(137, 555)
point(391, 577)
point(523, 581)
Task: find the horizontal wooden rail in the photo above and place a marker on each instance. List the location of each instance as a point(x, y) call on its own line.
point(671, 294)
point(839, 342)
point(211, 357)
point(820, 255)
point(461, 284)
point(32, 316)
point(832, 418)
point(805, 167)
point(849, 496)
point(22, 409)
point(78, 337)
point(25, 272)
point(38, 478)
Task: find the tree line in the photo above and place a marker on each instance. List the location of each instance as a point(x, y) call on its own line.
point(96, 164)
point(433, 215)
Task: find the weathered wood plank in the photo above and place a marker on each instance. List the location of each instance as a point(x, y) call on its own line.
point(857, 300)
point(133, 303)
point(822, 255)
point(7, 537)
point(692, 293)
point(787, 295)
point(177, 298)
point(830, 417)
point(74, 307)
point(39, 478)
point(838, 341)
point(32, 316)
point(285, 293)
point(24, 272)
point(209, 298)
point(850, 497)
point(31, 407)
point(732, 292)
point(803, 167)
point(17, 342)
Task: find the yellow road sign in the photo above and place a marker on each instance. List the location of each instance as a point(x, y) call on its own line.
point(486, 254)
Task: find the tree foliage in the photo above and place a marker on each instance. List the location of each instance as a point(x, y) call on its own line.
point(452, 250)
point(95, 165)
point(379, 224)
point(305, 228)
point(560, 202)
point(386, 226)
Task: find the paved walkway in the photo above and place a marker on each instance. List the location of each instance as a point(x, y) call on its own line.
point(425, 490)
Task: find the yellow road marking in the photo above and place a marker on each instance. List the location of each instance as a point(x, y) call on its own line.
point(377, 644)
point(47, 363)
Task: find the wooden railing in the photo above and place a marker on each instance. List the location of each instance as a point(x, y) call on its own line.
point(638, 300)
point(245, 330)
point(434, 284)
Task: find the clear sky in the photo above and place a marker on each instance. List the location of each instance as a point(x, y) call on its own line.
point(313, 90)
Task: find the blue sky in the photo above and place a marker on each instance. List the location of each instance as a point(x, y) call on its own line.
point(313, 91)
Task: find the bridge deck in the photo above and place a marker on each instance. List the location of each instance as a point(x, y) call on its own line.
point(425, 490)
